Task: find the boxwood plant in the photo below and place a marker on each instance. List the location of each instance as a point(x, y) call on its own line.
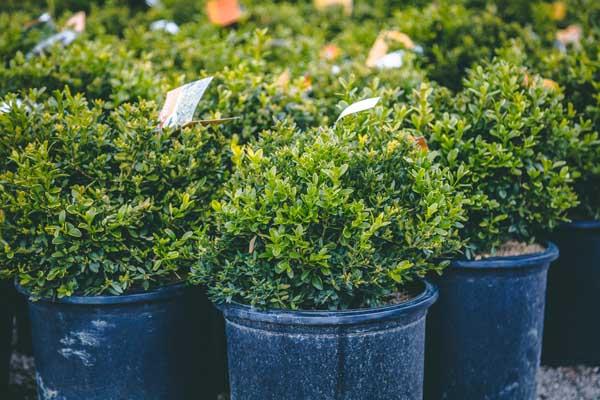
point(95, 203)
point(331, 218)
point(101, 69)
point(515, 137)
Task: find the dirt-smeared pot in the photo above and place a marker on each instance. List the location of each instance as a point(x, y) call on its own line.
point(6, 315)
point(374, 354)
point(147, 346)
point(484, 336)
point(572, 329)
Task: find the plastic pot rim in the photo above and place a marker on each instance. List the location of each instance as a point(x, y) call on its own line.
point(581, 224)
point(510, 262)
point(424, 300)
point(160, 293)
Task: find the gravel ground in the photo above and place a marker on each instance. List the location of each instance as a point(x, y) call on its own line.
point(567, 383)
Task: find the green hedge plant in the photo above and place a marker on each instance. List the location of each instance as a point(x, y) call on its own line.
point(331, 218)
point(515, 137)
point(101, 69)
point(95, 203)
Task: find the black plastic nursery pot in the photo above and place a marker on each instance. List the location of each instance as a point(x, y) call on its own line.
point(6, 316)
point(147, 346)
point(375, 354)
point(484, 336)
point(572, 328)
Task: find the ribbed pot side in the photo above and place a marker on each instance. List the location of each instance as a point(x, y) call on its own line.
point(484, 335)
point(351, 355)
point(148, 346)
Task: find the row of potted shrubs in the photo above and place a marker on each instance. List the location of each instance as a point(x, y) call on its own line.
point(321, 243)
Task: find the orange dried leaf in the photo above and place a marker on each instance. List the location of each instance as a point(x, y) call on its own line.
point(223, 12)
point(559, 10)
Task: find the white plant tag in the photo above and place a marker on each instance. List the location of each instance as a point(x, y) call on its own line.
point(181, 103)
point(73, 28)
point(165, 25)
point(391, 60)
point(359, 106)
point(65, 38)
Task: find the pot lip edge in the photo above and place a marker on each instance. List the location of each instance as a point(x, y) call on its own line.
point(510, 262)
point(582, 224)
point(159, 293)
point(325, 317)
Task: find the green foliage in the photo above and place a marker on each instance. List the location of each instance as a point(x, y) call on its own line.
point(99, 69)
point(453, 37)
point(514, 136)
point(95, 203)
point(577, 72)
point(331, 218)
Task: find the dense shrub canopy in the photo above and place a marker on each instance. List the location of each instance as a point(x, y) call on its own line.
point(96, 204)
point(514, 136)
point(332, 218)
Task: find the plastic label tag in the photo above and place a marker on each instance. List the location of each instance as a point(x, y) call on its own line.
point(223, 12)
point(391, 60)
point(346, 4)
point(44, 19)
point(76, 22)
point(570, 35)
point(359, 106)
point(165, 25)
point(181, 103)
point(380, 48)
point(73, 28)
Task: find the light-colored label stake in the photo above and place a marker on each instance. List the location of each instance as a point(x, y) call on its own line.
point(181, 103)
point(359, 106)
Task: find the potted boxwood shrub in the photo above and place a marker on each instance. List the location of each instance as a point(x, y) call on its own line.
point(573, 282)
point(104, 214)
point(514, 136)
point(322, 238)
